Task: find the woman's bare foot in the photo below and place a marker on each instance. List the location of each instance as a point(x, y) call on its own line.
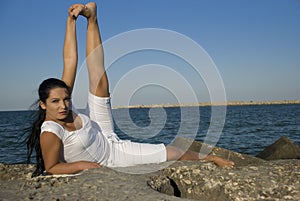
point(222, 162)
point(90, 11)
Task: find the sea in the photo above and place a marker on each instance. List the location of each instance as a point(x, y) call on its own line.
point(245, 129)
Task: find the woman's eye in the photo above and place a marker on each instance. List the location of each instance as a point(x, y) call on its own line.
point(54, 101)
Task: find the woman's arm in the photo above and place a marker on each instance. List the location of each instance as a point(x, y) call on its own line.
point(51, 147)
point(70, 53)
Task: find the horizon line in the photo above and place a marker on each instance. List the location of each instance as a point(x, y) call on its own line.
point(199, 104)
point(203, 104)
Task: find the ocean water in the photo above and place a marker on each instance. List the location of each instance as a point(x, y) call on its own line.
point(247, 129)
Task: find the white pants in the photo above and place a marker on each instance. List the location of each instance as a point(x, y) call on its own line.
point(122, 152)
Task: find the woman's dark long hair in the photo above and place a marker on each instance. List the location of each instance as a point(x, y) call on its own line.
point(33, 139)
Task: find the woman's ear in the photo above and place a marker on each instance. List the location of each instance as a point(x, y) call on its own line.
point(42, 105)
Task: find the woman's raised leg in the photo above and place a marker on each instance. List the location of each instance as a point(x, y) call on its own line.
point(98, 81)
point(99, 107)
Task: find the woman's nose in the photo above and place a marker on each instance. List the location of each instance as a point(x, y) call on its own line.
point(63, 104)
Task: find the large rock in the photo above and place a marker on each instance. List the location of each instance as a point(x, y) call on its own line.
point(283, 148)
point(103, 184)
point(272, 180)
point(250, 179)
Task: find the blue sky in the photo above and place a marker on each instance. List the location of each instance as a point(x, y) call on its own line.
point(255, 44)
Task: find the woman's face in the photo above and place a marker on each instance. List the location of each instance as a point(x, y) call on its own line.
point(57, 104)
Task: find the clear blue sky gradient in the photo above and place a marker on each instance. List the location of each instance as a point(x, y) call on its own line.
point(255, 44)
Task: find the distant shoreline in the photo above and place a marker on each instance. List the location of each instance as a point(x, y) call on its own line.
point(202, 104)
point(229, 103)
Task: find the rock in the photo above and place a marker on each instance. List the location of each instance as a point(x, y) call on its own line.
point(238, 158)
point(251, 179)
point(271, 180)
point(96, 184)
point(283, 148)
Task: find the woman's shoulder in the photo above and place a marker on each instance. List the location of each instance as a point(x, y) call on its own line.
point(50, 123)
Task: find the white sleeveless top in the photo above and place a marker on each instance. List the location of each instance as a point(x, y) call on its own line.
point(86, 143)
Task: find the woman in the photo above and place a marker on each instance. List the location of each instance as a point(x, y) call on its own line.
point(68, 142)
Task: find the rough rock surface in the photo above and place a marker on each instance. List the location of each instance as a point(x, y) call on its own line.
point(283, 148)
point(97, 184)
point(251, 179)
point(276, 180)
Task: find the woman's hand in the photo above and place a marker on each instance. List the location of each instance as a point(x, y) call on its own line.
point(75, 10)
point(84, 165)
